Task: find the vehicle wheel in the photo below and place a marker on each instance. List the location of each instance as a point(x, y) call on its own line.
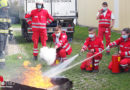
point(26, 35)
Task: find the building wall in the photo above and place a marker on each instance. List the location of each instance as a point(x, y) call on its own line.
point(124, 14)
point(88, 9)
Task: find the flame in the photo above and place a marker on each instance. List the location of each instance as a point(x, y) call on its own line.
point(33, 77)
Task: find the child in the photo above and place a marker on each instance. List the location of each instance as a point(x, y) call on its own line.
point(94, 44)
point(124, 43)
point(61, 44)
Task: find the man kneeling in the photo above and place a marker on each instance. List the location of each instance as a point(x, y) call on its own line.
point(94, 45)
point(61, 44)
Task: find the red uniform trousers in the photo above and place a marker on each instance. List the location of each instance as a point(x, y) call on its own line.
point(123, 63)
point(61, 54)
point(105, 31)
point(95, 64)
point(35, 37)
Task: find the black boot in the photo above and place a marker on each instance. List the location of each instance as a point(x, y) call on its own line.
point(35, 58)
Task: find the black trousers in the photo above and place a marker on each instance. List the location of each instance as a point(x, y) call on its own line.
point(3, 41)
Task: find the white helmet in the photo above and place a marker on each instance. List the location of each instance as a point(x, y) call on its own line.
point(39, 1)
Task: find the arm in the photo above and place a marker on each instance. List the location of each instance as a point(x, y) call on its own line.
point(115, 43)
point(126, 53)
point(63, 39)
point(85, 46)
point(50, 19)
point(28, 15)
point(28, 18)
point(113, 20)
point(29, 21)
point(99, 14)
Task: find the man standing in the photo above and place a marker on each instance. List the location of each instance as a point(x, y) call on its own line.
point(106, 22)
point(40, 18)
point(5, 24)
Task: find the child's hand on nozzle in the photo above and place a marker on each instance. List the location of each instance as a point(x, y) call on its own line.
point(108, 47)
point(82, 50)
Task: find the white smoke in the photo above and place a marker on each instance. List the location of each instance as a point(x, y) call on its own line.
point(48, 54)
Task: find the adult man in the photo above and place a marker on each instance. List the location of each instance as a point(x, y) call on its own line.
point(95, 45)
point(106, 22)
point(5, 24)
point(40, 18)
point(124, 43)
point(61, 44)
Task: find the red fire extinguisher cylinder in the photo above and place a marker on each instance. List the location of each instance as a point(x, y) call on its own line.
point(116, 63)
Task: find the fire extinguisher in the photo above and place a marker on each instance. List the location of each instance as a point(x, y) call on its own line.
point(89, 62)
point(116, 58)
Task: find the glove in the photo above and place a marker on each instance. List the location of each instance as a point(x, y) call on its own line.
point(11, 35)
point(108, 47)
point(82, 50)
point(10, 30)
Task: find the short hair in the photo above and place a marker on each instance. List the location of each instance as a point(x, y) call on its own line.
point(58, 27)
point(92, 29)
point(105, 3)
point(127, 30)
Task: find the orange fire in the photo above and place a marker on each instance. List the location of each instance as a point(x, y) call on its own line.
point(33, 77)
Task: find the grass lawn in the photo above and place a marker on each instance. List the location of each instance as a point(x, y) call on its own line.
point(16, 25)
point(104, 80)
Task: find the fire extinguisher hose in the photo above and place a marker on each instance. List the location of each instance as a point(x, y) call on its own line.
point(68, 68)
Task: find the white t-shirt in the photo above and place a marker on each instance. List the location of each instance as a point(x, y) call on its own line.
point(57, 39)
point(112, 16)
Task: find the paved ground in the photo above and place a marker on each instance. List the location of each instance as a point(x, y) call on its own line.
point(13, 47)
point(16, 29)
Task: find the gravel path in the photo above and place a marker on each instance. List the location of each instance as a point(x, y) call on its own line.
point(13, 47)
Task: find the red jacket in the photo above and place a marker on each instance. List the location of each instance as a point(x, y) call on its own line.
point(39, 19)
point(105, 21)
point(124, 46)
point(97, 44)
point(63, 42)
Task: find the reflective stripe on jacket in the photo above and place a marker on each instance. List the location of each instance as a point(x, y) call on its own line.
point(39, 18)
point(63, 42)
point(105, 21)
